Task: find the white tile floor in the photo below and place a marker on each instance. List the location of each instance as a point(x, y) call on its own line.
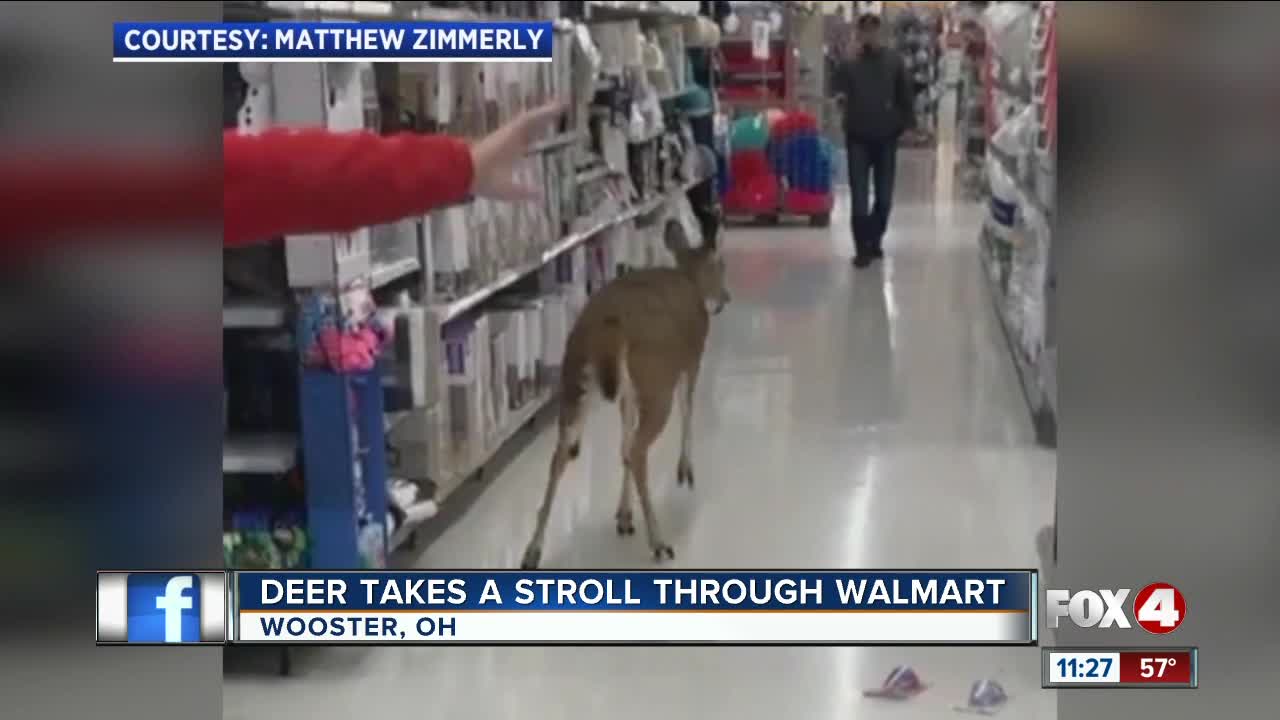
point(845, 419)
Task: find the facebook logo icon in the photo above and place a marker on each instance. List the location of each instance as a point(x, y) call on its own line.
point(164, 608)
point(161, 607)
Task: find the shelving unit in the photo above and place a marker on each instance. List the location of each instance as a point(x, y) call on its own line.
point(971, 98)
point(1016, 240)
point(758, 69)
point(470, 304)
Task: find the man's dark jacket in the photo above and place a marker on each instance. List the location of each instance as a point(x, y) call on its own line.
point(878, 100)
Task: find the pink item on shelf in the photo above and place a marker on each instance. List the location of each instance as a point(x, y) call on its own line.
point(356, 352)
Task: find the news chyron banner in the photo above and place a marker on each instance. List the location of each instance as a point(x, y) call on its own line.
point(575, 608)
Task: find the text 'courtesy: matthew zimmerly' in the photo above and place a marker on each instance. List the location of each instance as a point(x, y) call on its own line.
point(298, 41)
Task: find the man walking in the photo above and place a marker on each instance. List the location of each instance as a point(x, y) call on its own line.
point(878, 109)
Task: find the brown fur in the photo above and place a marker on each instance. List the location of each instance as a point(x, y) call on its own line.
point(633, 343)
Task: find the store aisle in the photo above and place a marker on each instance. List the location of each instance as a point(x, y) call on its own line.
point(845, 419)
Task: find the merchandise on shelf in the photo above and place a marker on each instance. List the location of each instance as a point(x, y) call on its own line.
point(916, 38)
point(1016, 237)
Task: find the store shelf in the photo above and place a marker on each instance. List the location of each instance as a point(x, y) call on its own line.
point(454, 309)
point(1039, 404)
point(390, 272)
point(748, 76)
point(259, 454)
point(253, 314)
point(595, 173)
point(394, 418)
point(555, 142)
point(445, 486)
point(752, 103)
point(655, 135)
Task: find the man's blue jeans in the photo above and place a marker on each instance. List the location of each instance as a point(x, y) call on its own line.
point(871, 164)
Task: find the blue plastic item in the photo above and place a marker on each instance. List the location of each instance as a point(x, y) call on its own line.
point(804, 160)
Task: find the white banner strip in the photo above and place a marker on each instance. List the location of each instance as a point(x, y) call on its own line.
point(492, 626)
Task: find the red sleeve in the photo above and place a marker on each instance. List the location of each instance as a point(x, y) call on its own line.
point(56, 196)
point(298, 181)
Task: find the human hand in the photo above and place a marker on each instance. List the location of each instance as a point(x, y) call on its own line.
point(494, 157)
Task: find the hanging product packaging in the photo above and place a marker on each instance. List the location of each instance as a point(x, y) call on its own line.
point(1029, 272)
point(1008, 28)
point(1016, 137)
point(760, 39)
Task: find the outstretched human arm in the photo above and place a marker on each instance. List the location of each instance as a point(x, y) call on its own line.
point(276, 183)
point(299, 181)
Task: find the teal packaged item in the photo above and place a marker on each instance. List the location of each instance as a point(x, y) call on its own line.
point(749, 133)
point(695, 101)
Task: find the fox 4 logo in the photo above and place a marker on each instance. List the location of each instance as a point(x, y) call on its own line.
point(1158, 608)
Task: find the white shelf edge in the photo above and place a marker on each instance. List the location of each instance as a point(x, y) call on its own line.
point(259, 454)
point(395, 417)
point(390, 272)
point(253, 314)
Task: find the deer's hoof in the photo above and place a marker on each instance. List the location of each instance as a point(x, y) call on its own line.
point(684, 474)
point(662, 551)
point(626, 526)
point(532, 557)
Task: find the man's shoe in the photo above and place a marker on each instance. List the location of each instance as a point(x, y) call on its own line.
point(877, 254)
point(862, 261)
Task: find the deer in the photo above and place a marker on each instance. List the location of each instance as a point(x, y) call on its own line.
point(635, 341)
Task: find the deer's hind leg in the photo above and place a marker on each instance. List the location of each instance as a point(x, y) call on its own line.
point(567, 446)
point(684, 469)
point(653, 409)
point(624, 518)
